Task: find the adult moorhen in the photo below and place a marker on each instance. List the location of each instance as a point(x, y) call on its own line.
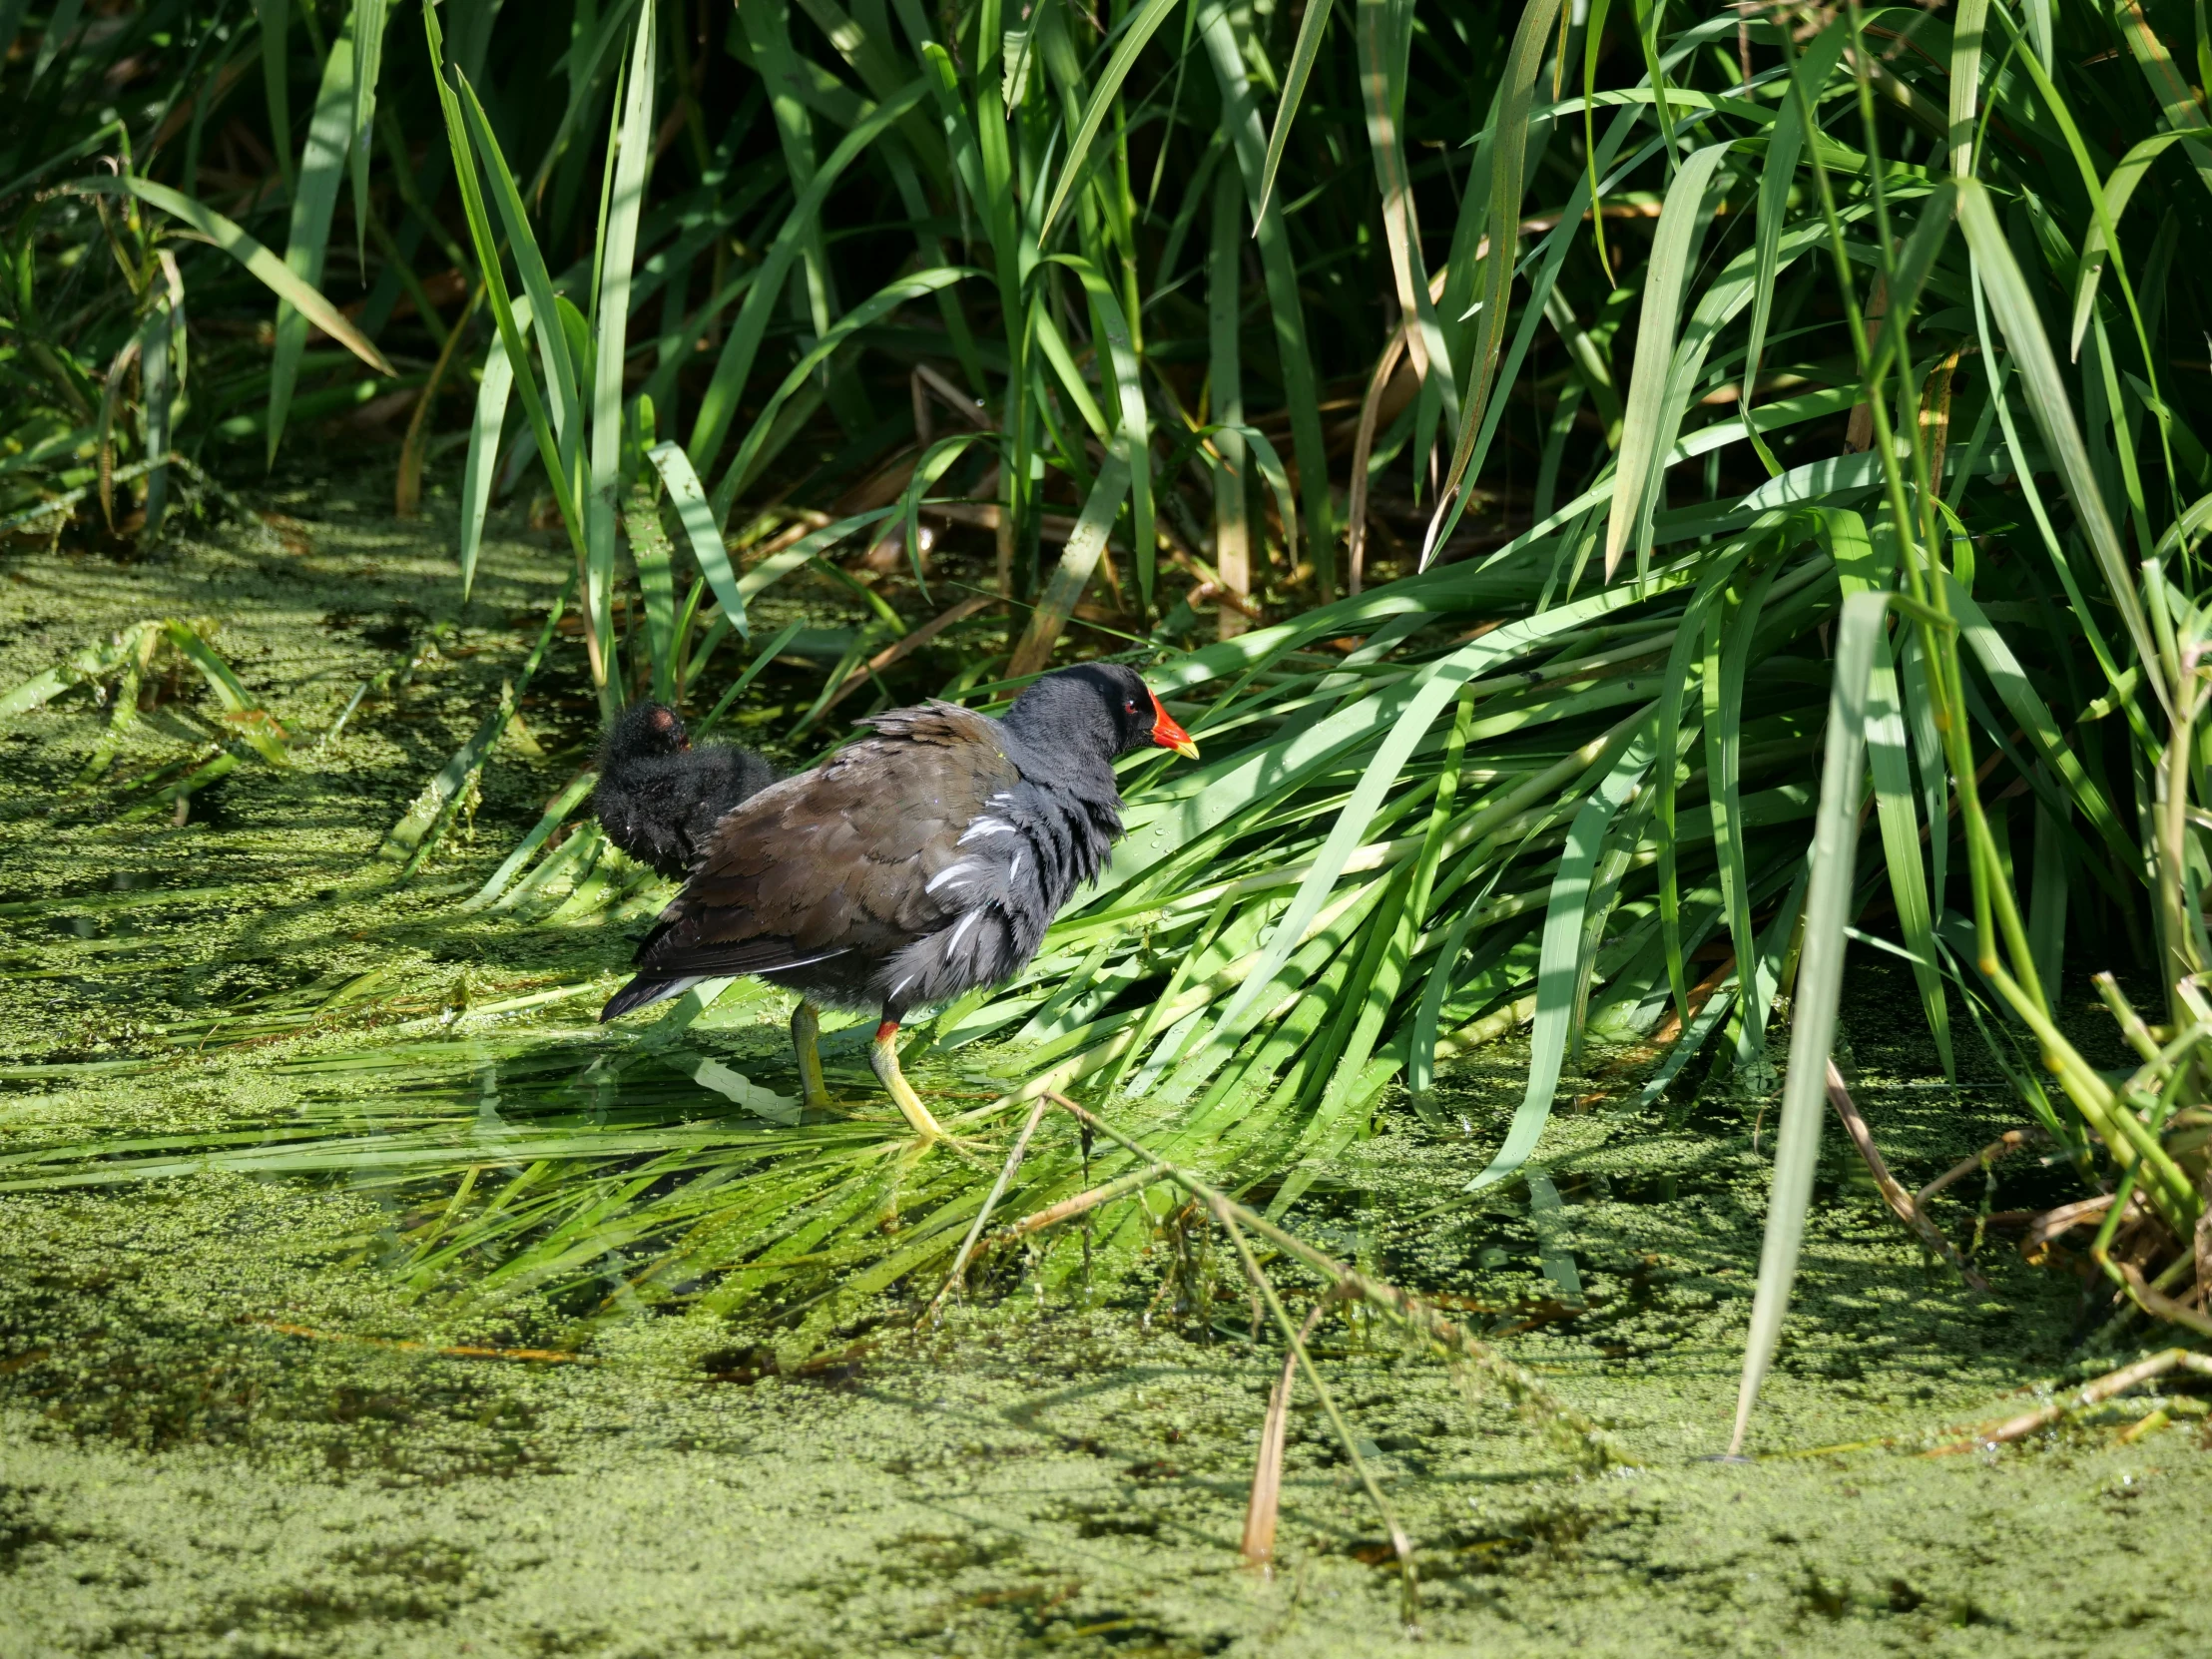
point(913, 866)
point(657, 797)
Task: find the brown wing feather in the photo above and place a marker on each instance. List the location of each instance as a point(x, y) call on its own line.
point(839, 858)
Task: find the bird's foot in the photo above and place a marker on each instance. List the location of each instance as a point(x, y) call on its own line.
point(883, 1056)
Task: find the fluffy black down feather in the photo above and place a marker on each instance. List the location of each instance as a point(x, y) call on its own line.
point(659, 799)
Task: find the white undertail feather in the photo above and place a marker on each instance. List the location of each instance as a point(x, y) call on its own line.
point(955, 873)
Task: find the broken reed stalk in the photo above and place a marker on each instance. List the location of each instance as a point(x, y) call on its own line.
point(983, 1215)
point(2093, 1393)
point(2159, 1306)
point(1901, 1203)
point(1520, 1386)
point(2003, 1147)
point(1265, 1502)
point(1409, 1579)
point(1069, 1208)
point(1589, 1441)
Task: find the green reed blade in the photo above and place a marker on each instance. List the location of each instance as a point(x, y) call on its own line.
point(1674, 249)
point(481, 469)
point(555, 350)
point(1225, 388)
point(1819, 989)
point(2009, 297)
point(1350, 1080)
point(551, 351)
point(1279, 272)
point(1508, 155)
point(1304, 51)
point(1730, 629)
point(256, 725)
point(322, 166)
point(1863, 570)
point(718, 406)
point(1435, 685)
point(1778, 174)
point(367, 29)
point(1382, 91)
point(1562, 943)
point(653, 560)
point(1077, 561)
point(1686, 651)
point(280, 278)
point(701, 529)
point(866, 315)
point(1135, 33)
point(553, 818)
point(629, 166)
point(1133, 427)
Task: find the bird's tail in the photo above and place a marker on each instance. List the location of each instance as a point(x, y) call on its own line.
point(643, 993)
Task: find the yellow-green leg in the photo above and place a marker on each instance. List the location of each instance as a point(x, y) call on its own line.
point(806, 1041)
point(884, 1058)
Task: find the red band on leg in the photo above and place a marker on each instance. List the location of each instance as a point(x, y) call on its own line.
point(886, 1031)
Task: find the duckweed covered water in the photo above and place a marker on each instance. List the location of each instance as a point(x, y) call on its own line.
point(240, 1414)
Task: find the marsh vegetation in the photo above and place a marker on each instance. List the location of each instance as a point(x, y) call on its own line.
point(1677, 537)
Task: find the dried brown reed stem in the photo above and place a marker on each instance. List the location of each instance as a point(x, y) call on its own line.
point(2003, 1147)
point(1224, 1211)
point(2091, 1395)
point(1589, 1442)
point(1265, 1502)
point(1901, 1201)
point(983, 1215)
point(2159, 1306)
point(1069, 1208)
point(2066, 1217)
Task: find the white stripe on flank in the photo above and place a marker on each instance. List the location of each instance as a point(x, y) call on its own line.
point(950, 873)
point(960, 931)
point(983, 826)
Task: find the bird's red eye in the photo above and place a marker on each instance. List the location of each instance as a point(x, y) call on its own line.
point(1130, 704)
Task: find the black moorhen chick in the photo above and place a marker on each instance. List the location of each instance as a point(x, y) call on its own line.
point(657, 797)
point(913, 866)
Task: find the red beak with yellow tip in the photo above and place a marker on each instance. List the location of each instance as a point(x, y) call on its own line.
point(1168, 735)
